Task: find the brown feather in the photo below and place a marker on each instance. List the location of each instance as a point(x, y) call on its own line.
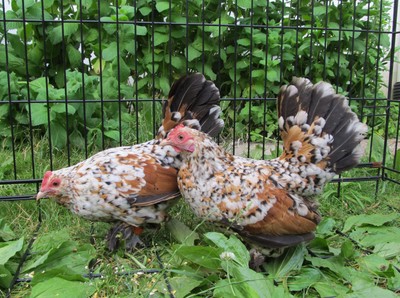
point(282, 218)
point(167, 122)
point(159, 179)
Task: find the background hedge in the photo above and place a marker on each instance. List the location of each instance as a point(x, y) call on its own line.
point(93, 52)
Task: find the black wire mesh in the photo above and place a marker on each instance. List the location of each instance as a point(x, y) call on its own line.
point(81, 76)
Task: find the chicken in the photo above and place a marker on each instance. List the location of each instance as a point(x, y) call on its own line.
point(271, 202)
point(134, 185)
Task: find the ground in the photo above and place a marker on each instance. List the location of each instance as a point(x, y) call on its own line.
point(356, 252)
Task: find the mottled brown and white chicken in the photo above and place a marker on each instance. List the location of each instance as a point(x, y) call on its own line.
point(270, 202)
point(134, 185)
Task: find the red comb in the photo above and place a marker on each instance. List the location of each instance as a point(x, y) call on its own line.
point(175, 130)
point(46, 177)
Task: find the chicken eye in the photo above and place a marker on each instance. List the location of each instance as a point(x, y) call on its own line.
point(55, 183)
point(180, 137)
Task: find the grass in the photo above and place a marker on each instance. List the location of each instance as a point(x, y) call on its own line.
point(183, 269)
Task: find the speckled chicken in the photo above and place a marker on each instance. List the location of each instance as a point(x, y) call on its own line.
point(270, 202)
point(134, 185)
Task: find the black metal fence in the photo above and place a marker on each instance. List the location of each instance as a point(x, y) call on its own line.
point(79, 76)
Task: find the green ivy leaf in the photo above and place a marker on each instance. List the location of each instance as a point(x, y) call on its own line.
point(129, 11)
point(110, 53)
point(160, 38)
point(193, 53)
point(112, 134)
point(164, 85)
point(208, 72)
point(61, 108)
point(124, 70)
point(244, 4)
point(36, 12)
point(48, 3)
point(38, 85)
point(58, 135)
point(163, 5)
point(74, 56)
point(109, 25)
point(130, 31)
point(145, 10)
point(177, 62)
point(258, 73)
point(25, 3)
point(77, 139)
point(244, 42)
point(38, 114)
point(4, 109)
point(319, 10)
point(55, 35)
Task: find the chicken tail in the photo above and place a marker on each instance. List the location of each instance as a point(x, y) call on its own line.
point(318, 127)
point(193, 101)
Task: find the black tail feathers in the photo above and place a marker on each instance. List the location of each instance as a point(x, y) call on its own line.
point(193, 101)
point(327, 127)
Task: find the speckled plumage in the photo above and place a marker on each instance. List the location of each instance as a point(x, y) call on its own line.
point(271, 202)
point(123, 183)
point(136, 184)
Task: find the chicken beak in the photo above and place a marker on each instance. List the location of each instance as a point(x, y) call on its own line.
point(40, 195)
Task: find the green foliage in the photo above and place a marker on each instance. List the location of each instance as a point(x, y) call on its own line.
point(206, 264)
point(326, 269)
point(56, 267)
point(227, 258)
point(95, 61)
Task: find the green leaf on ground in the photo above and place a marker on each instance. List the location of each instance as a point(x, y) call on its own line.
point(183, 285)
point(181, 232)
point(306, 278)
point(372, 219)
point(387, 250)
point(61, 288)
point(10, 249)
point(233, 245)
point(6, 234)
point(5, 277)
point(291, 260)
point(204, 256)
